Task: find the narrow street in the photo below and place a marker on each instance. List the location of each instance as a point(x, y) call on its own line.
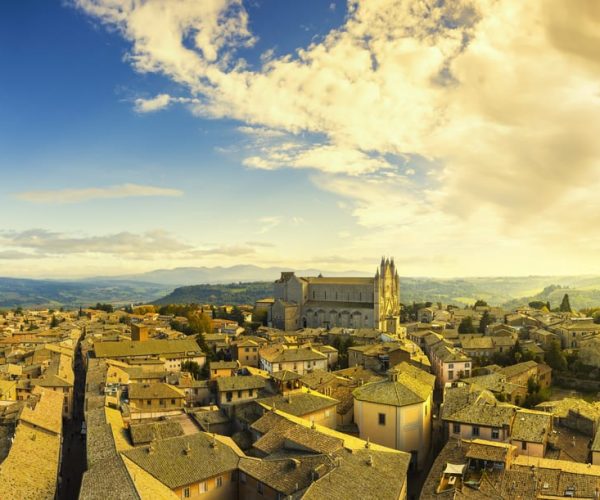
point(73, 450)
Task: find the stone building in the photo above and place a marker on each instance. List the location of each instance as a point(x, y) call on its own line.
point(316, 302)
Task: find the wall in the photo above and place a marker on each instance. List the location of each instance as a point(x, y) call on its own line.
point(407, 428)
point(227, 491)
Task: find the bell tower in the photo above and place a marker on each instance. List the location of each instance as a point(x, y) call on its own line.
point(387, 296)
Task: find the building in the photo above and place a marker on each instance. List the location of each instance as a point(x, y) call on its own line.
point(172, 353)
point(31, 468)
point(275, 358)
point(222, 369)
point(246, 351)
point(194, 466)
point(315, 302)
point(155, 399)
point(310, 406)
point(240, 389)
point(449, 363)
point(396, 412)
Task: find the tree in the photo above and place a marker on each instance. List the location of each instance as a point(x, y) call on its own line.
point(555, 357)
point(466, 325)
point(537, 304)
point(486, 320)
point(192, 367)
point(54, 322)
point(565, 305)
point(480, 303)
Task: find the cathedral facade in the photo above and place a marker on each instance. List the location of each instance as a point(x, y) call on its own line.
point(321, 302)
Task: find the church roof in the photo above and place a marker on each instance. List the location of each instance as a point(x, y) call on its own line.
point(320, 280)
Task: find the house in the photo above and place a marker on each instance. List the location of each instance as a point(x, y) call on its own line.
point(238, 389)
point(331, 353)
point(312, 462)
point(449, 363)
point(222, 369)
point(305, 404)
point(155, 399)
point(8, 390)
point(530, 432)
point(192, 466)
point(425, 315)
point(382, 356)
point(471, 413)
point(483, 470)
point(31, 468)
point(246, 351)
point(574, 331)
point(396, 412)
point(172, 353)
point(301, 360)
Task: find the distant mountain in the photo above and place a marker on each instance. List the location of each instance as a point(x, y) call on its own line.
point(55, 293)
point(244, 284)
point(182, 276)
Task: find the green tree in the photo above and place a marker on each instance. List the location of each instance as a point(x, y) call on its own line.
point(555, 357)
point(192, 367)
point(466, 325)
point(480, 303)
point(54, 322)
point(485, 321)
point(565, 305)
point(537, 304)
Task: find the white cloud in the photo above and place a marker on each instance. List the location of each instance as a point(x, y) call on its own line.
point(62, 196)
point(47, 243)
point(501, 97)
point(269, 222)
point(159, 102)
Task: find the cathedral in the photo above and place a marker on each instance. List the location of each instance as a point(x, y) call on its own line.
point(321, 302)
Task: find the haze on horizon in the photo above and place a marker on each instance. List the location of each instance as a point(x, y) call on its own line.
point(460, 137)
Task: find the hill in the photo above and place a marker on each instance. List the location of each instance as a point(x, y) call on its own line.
point(50, 293)
point(579, 298)
point(235, 294)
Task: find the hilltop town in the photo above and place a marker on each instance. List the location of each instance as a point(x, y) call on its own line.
point(329, 388)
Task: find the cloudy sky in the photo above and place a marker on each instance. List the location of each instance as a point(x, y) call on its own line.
point(461, 137)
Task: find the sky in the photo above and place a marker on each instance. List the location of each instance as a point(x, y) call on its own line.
point(460, 137)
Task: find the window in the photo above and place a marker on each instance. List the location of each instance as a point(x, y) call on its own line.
point(524, 445)
point(495, 433)
point(172, 401)
point(149, 402)
point(203, 487)
point(219, 482)
point(456, 428)
point(475, 431)
point(381, 418)
point(186, 493)
point(246, 349)
point(451, 366)
point(467, 365)
point(239, 394)
point(260, 488)
point(242, 477)
point(451, 375)
point(229, 396)
point(251, 392)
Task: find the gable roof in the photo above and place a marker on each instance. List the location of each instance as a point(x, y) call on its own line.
point(183, 460)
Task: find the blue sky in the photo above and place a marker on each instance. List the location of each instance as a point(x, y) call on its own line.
point(312, 133)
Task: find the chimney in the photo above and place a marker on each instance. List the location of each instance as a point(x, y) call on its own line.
point(370, 461)
point(213, 443)
point(187, 450)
